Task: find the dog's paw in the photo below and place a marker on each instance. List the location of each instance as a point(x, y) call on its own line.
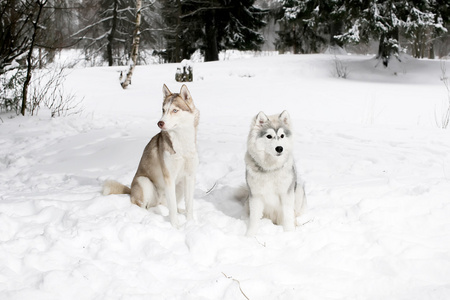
point(175, 223)
point(190, 218)
point(251, 232)
point(289, 227)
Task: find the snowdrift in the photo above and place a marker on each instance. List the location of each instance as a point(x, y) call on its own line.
point(375, 164)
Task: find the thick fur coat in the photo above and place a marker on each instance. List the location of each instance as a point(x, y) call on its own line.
point(271, 175)
point(166, 172)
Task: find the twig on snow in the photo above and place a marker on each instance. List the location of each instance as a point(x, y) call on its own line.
point(211, 189)
point(239, 283)
point(309, 221)
point(262, 244)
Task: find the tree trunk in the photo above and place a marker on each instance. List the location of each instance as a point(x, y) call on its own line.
point(109, 47)
point(383, 52)
point(211, 51)
point(178, 33)
point(431, 51)
point(429, 42)
point(386, 48)
point(335, 29)
point(40, 4)
point(296, 44)
point(135, 46)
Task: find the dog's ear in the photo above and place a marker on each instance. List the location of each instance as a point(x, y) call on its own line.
point(261, 119)
point(166, 91)
point(185, 95)
point(285, 118)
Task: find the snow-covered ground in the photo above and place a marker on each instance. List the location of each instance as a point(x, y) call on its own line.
point(375, 165)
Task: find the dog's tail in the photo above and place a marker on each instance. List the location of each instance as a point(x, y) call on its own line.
point(114, 187)
point(241, 193)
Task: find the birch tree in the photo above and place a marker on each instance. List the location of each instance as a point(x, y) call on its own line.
point(135, 45)
point(107, 26)
point(104, 28)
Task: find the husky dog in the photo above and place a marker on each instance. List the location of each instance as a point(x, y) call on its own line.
point(270, 173)
point(168, 165)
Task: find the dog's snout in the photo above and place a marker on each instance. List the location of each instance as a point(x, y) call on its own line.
point(161, 124)
point(279, 149)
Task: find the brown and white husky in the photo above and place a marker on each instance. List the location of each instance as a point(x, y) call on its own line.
point(166, 172)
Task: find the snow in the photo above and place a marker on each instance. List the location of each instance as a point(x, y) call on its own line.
point(375, 164)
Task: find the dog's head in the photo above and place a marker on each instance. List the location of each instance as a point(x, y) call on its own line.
point(271, 136)
point(178, 110)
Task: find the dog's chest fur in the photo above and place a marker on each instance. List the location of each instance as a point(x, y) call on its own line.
point(269, 184)
point(185, 159)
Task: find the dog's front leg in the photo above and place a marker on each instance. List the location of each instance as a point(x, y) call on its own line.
point(256, 209)
point(172, 203)
point(189, 184)
point(287, 203)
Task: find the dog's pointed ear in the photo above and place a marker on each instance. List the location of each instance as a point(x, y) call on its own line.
point(185, 94)
point(285, 118)
point(261, 119)
point(166, 91)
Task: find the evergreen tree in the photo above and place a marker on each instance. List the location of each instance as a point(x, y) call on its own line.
point(385, 20)
point(425, 24)
point(211, 26)
point(181, 35)
point(308, 25)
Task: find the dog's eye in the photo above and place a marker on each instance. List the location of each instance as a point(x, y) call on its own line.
point(175, 111)
point(282, 136)
point(164, 110)
point(269, 136)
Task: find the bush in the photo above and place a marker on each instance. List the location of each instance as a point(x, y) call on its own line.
point(11, 83)
point(443, 120)
point(340, 69)
point(46, 91)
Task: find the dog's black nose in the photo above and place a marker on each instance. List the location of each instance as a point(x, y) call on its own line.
point(279, 149)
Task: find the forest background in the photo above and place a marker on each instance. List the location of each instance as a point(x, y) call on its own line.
point(133, 32)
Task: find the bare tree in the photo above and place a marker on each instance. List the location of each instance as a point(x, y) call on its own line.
point(112, 33)
point(25, 27)
point(106, 26)
point(36, 26)
point(444, 120)
point(47, 90)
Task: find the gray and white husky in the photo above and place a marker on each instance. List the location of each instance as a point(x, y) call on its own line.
point(166, 172)
point(271, 175)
